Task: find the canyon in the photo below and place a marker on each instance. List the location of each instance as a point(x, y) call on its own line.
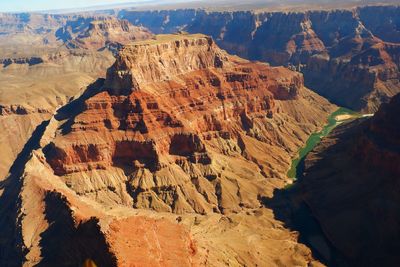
point(169, 137)
point(181, 139)
point(40, 71)
point(350, 56)
point(51, 30)
point(360, 160)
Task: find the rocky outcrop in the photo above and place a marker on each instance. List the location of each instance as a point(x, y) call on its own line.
point(20, 110)
point(324, 45)
point(373, 75)
point(171, 110)
point(350, 184)
point(108, 33)
point(39, 70)
point(48, 224)
point(68, 241)
point(168, 157)
point(162, 59)
point(169, 160)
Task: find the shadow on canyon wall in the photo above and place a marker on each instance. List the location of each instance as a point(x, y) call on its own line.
point(11, 252)
point(290, 208)
point(66, 243)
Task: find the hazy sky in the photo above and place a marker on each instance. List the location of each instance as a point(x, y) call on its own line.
point(42, 5)
point(32, 5)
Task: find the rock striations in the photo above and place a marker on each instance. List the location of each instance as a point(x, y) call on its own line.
point(168, 157)
point(349, 56)
point(172, 112)
point(47, 59)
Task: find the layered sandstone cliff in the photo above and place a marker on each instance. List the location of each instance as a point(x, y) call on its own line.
point(182, 113)
point(169, 158)
point(324, 45)
point(351, 185)
point(31, 90)
point(40, 69)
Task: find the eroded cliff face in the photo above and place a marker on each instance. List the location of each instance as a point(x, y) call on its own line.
point(40, 69)
point(351, 185)
point(324, 45)
point(172, 112)
point(161, 60)
point(182, 141)
point(109, 33)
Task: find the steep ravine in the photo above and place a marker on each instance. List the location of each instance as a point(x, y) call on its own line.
point(290, 208)
point(351, 185)
point(344, 203)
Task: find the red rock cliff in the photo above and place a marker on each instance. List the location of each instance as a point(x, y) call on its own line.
point(324, 45)
point(163, 163)
point(173, 112)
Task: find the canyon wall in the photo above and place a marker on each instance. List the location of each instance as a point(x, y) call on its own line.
point(26, 31)
point(186, 142)
point(349, 56)
point(45, 60)
point(172, 107)
point(181, 140)
point(110, 33)
point(351, 186)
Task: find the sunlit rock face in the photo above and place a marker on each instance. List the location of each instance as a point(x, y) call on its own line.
point(180, 141)
point(349, 56)
point(171, 113)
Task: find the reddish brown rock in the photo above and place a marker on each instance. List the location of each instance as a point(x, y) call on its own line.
point(161, 113)
point(172, 154)
point(325, 45)
point(151, 242)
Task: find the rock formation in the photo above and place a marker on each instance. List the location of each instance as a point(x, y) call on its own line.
point(181, 141)
point(40, 69)
point(88, 31)
point(171, 156)
point(349, 56)
point(30, 93)
point(351, 186)
point(108, 33)
point(175, 107)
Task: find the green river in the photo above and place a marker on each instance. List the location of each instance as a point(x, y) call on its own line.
point(315, 138)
